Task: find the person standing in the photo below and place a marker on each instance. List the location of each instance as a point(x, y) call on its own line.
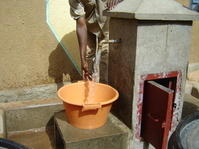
point(92, 30)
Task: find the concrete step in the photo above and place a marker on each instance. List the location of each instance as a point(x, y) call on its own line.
point(192, 83)
point(190, 105)
point(192, 88)
point(113, 135)
point(34, 139)
point(30, 122)
point(44, 91)
point(27, 115)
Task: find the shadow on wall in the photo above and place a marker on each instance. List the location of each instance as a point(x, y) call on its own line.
point(61, 67)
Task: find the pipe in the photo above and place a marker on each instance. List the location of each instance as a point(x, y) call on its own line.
point(111, 41)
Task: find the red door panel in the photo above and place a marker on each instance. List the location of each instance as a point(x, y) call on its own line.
point(157, 108)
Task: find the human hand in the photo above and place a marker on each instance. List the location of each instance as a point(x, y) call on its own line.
point(86, 74)
point(112, 3)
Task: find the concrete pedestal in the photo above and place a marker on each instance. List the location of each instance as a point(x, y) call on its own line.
point(113, 135)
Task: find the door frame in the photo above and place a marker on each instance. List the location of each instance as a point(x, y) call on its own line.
point(139, 100)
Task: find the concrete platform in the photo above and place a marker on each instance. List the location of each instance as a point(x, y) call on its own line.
point(34, 139)
point(192, 83)
point(191, 105)
point(29, 122)
point(27, 115)
point(113, 135)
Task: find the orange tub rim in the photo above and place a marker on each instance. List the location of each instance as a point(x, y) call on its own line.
point(101, 84)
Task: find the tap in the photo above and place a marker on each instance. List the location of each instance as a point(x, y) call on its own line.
point(111, 41)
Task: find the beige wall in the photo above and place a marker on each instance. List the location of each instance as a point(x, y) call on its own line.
point(29, 52)
point(61, 24)
point(194, 50)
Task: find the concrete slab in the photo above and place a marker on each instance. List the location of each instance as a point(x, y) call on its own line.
point(28, 93)
point(192, 88)
point(194, 76)
point(193, 67)
point(191, 105)
point(21, 116)
point(40, 139)
point(113, 135)
point(153, 10)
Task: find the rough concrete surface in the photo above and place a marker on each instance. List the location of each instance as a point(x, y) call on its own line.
point(148, 47)
point(193, 67)
point(153, 10)
point(122, 65)
point(26, 115)
point(162, 44)
point(194, 76)
point(39, 139)
point(44, 91)
point(192, 88)
point(191, 105)
point(192, 83)
point(109, 136)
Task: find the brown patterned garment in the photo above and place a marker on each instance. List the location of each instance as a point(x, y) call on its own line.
point(97, 25)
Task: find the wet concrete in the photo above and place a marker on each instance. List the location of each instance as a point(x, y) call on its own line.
point(34, 139)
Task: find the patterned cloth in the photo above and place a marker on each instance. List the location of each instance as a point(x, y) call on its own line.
point(93, 12)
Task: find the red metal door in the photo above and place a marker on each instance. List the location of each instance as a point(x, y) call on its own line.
point(157, 110)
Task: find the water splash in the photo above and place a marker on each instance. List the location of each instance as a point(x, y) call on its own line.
point(89, 89)
point(91, 92)
point(96, 73)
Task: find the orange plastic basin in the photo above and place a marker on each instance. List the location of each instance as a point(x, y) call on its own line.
point(87, 104)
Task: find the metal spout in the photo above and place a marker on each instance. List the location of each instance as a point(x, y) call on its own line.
point(112, 41)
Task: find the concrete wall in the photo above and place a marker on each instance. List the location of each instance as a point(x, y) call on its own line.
point(39, 45)
point(194, 50)
point(30, 50)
